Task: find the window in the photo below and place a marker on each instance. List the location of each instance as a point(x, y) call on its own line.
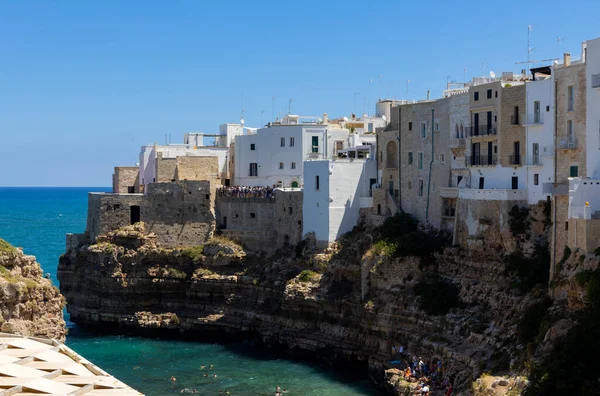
point(437, 126)
point(410, 158)
point(410, 185)
point(252, 215)
point(535, 151)
point(566, 226)
point(290, 210)
point(570, 98)
point(315, 144)
point(496, 93)
point(515, 117)
point(253, 169)
point(423, 130)
point(281, 165)
point(481, 183)
point(420, 157)
point(420, 192)
point(292, 142)
point(442, 158)
point(476, 96)
point(410, 126)
point(536, 179)
point(574, 171)
point(458, 179)
point(547, 108)
point(282, 142)
point(536, 112)
point(252, 146)
point(489, 94)
point(293, 165)
point(317, 183)
point(370, 127)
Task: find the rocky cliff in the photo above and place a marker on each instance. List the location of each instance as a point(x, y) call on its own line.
point(376, 287)
point(30, 305)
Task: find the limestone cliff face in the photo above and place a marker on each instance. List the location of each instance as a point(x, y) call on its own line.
point(30, 305)
point(349, 303)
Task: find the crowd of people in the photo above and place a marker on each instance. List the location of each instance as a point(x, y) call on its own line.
point(427, 375)
point(247, 192)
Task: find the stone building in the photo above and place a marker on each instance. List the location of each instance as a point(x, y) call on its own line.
point(125, 179)
point(179, 213)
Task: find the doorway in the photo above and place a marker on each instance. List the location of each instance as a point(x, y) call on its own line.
point(134, 214)
point(481, 183)
point(515, 182)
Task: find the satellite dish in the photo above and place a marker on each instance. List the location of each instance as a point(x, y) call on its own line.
point(492, 74)
point(242, 121)
point(555, 63)
point(384, 118)
point(345, 118)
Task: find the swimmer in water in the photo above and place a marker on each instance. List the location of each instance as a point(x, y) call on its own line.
point(173, 379)
point(202, 367)
point(206, 375)
point(214, 375)
point(211, 366)
point(277, 388)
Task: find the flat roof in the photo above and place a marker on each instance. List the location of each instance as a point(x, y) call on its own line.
point(31, 365)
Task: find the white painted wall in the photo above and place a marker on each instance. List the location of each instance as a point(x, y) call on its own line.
point(542, 134)
point(582, 190)
point(315, 203)
point(593, 110)
point(346, 190)
point(498, 177)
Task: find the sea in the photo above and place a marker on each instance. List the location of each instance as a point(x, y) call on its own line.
point(37, 220)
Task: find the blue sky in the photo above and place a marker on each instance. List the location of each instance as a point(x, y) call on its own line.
point(83, 84)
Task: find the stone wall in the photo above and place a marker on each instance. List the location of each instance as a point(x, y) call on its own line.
point(262, 223)
point(166, 168)
point(125, 179)
point(509, 134)
point(179, 213)
point(573, 75)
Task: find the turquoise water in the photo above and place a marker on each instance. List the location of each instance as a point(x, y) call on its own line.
point(38, 219)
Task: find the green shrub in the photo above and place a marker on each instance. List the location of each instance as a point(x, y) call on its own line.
point(175, 273)
point(6, 247)
point(437, 295)
point(307, 276)
point(194, 253)
point(529, 271)
point(518, 220)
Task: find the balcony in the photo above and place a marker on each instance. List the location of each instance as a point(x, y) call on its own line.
point(495, 194)
point(566, 144)
point(457, 143)
point(534, 119)
point(481, 130)
point(514, 159)
point(449, 192)
point(481, 160)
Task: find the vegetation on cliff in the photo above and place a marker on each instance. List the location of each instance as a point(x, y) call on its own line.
point(6, 247)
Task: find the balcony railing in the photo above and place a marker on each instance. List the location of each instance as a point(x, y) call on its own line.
point(481, 130)
point(458, 142)
point(514, 119)
point(481, 160)
point(514, 159)
point(449, 192)
point(566, 144)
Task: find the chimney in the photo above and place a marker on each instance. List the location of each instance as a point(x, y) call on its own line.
point(567, 59)
point(325, 118)
point(427, 94)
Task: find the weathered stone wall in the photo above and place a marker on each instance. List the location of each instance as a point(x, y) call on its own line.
point(262, 223)
point(573, 75)
point(125, 178)
point(509, 133)
point(198, 168)
point(414, 199)
point(179, 213)
point(485, 223)
point(166, 168)
point(107, 212)
point(560, 223)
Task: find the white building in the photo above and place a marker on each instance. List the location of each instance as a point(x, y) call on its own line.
point(194, 145)
point(539, 124)
point(334, 193)
point(591, 57)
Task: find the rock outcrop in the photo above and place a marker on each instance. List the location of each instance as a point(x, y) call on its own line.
point(349, 303)
point(31, 305)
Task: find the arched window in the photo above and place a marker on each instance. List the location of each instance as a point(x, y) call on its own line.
point(457, 134)
point(392, 154)
point(461, 131)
